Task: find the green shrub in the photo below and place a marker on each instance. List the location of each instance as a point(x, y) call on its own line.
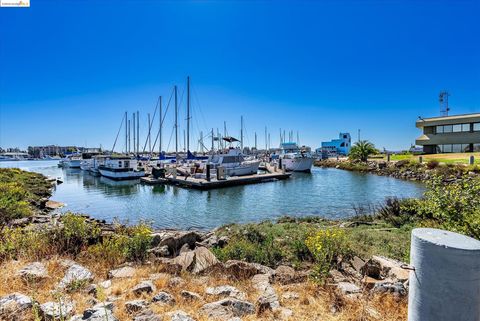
point(398, 212)
point(22, 242)
point(74, 234)
point(13, 202)
point(432, 164)
point(327, 246)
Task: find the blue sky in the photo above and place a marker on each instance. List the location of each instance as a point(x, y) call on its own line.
point(70, 69)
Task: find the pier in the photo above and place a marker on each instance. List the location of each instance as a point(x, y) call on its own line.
point(203, 184)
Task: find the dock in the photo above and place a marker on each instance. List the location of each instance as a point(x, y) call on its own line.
point(203, 184)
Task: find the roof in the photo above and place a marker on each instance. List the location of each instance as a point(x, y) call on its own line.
point(448, 120)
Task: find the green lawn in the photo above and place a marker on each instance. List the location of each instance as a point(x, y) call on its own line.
point(449, 158)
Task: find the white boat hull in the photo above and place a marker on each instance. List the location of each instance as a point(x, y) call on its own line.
point(73, 163)
point(121, 175)
point(246, 168)
point(300, 164)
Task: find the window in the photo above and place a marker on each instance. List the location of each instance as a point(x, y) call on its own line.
point(457, 148)
point(476, 147)
point(439, 129)
point(457, 128)
point(476, 127)
point(447, 128)
point(342, 145)
point(453, 148)
point(465, 127)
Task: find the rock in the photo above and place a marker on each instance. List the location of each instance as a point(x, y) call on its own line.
point(75, 275)
point(287, 275)
point(391, 268)
point(91, 289)
point(372, 268)
point(283, 313)
point(56, 310)
point(158, 276)
point(144, 287)
point(33, 271)
point(187, 295)
point(185, 248)
point(100, 312)
point(226, 290)
point(204, 259)
point(396, 288)
point(176, 239)
point(160, 251)
point(66, 263)
point(13, 306)
point(185, 260)
point(261, 282)
point(242, 270)
point(105, 284)
point(290, 295)
point(268, 300)
point(337, 276)
point(348, 288)
point(357, 263)
point(135, 305)
point(176, 281)
point(228, 308)
point(123, 272)
point(179, 315)
point(164, 298)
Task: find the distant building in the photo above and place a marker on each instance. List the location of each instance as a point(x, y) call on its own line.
point(340, 146)
point(52, 150)
point(449, 134)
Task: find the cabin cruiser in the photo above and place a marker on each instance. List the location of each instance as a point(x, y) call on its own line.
point(71, 161)
point(234, 163)
point(86, 164)
point(296, 159)
point(120, 168)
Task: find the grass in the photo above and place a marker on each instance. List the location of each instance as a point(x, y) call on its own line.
point(448, 158)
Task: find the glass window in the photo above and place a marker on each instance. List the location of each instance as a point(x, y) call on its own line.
point(476, 127)
point(465, 127)
point(476, 147)
point(447, 128)
point(446, 148)
point(457, 128)
point(439, 129)
point(466, 148)
point(457, 148)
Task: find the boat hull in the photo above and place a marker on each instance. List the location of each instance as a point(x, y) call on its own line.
point(301, 164)
point(250, 168)
point(73, 163)
point(121, 175)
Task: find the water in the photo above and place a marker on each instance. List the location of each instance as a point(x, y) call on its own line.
point(330, 193)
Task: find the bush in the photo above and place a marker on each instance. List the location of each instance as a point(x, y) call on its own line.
point(432, 164)
point(74, 234)
point(398, 212)
point(18, 242)
point(327, 247)
point(13, 202)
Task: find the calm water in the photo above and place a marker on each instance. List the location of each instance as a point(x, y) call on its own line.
point(330, 193)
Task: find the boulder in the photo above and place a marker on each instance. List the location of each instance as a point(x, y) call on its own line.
point(179, 315)
point(14, 305)
point(185, 260)
point(160, 251)
point(105, 284)
point(242, 270)
point(228, 308)
point(287, 275)
point(391, 268)
point(123, 272)
point(372, 268)
point(135, 306)
point(348, 288)
point(100, 312)
point(290, 296)
point(192, 296)
point(144, 287)
point(176, 239)
point(357, 263)
point(268, 300)
point(396, 288)
point(76, 274)
point(147, 315)
point(261, 281)
point(204, 259)
point(56, 310)
point(176, 281)
point(163, 298)
point(226, 291)
point(33, 271)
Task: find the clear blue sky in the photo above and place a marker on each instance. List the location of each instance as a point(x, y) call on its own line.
point(70, 69)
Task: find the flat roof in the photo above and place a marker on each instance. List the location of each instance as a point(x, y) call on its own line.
point(447, 120)
point(460, 116)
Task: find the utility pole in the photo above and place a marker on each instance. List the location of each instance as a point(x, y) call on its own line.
point(188, 113)
point(161, 124)
point(176, 125)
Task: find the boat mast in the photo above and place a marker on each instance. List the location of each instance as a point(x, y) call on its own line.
point(255, 140)
point(161, 123)
point(176, 123)
point(126, 134)
point(265, 138)
point(213, 140)
point(149, 130)
point(188, 113)
point(129, 132)
point(241, 133)
point(134, 125)
point(138, 132)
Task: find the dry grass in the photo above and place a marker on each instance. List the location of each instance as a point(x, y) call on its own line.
point(314, 303)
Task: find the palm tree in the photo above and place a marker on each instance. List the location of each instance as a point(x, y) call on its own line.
point(361, 149)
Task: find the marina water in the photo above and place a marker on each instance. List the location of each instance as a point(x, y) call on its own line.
point(330, 193)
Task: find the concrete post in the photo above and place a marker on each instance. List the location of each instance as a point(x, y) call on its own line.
point(388, 157)
point(472, 160)
point(208, 172)
point(445, 284)
point(420, 159)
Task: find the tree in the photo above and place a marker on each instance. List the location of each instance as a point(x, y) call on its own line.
point(361, 149)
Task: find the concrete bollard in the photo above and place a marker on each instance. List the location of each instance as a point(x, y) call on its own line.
point(388, 157)
point(445, 284)
point(472, 160)
point(420, 159)
point(208, 172)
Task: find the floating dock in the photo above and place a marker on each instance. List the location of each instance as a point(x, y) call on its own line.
point(203, 184)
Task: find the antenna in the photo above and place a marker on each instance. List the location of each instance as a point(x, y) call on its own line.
point(443, 100)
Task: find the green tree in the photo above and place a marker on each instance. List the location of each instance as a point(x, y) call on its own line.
point(361, 149)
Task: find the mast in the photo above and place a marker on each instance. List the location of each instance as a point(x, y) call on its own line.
point(176, 125)
point(188, 113)
point(129, 132)
point(184, 141)
point(161, 123)
point(149, 130)
point(255, 140)
point(126, 134)
point(134, 125)
point(213, 140)
point(138, 132)
point(224, 143)
point(241, 133)
point(265, 138)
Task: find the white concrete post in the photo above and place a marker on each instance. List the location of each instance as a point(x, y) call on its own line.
point(445, 284)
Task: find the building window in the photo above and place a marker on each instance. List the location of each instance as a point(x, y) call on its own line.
point(465, 127)
point(457, 128)
point(476, 147)
point(439, 129)
point(453, 148)
point(476, 127)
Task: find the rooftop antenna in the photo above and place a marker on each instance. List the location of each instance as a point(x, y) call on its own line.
point(443, 100)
